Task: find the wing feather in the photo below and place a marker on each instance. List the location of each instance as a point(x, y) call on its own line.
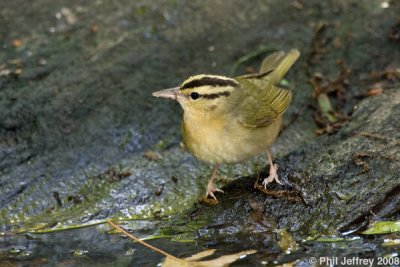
point(262, 101)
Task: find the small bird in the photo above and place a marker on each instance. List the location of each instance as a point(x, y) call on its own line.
point(229, 120)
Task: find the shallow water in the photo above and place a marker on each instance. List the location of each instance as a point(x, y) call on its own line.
point(93, 246)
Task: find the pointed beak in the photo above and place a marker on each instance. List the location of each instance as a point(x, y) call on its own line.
point(168, 93)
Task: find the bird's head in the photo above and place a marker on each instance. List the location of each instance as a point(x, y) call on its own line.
point(202, 93)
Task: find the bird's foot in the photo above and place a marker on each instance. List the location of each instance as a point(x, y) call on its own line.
point(211, 190)
point(273, 176)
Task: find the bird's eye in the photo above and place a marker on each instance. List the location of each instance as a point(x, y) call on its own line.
point(194, 95)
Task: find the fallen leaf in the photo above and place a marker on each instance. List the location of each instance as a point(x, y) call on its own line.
point(193, 261)
point(152, 155)
point(289, 264)
point(326, 107)
point(201, 255)
point(330, 239)
point(17, 43)
point(391, 242)
point(94, 29)
point(383, 228)
point(224, 260)
point(286, 241)
point(208, 201)
point(173, 262)
point(375, 91)
point(70, 17)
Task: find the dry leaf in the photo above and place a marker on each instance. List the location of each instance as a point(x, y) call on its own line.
point(16, 43)
point(288, 264)
point(193, 260)
point(152, 155)
point(172, 261)
point(201, 255)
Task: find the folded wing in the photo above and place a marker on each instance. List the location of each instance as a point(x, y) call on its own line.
point(264, 101)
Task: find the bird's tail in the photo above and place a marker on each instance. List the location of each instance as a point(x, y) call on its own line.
point(277, 64)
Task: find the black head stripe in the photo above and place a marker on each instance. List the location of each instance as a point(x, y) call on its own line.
point(257, 75)
point(213, 96)
point(211, 81)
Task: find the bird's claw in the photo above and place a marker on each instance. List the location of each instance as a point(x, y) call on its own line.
point(273, 176)
point(211, 190)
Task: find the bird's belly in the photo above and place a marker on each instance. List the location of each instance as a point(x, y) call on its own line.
point(228, 144)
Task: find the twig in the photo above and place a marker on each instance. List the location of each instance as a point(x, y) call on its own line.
point(142, 242)
point(292, 196)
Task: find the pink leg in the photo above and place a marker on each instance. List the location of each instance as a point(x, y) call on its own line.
point(273, 169)
point(210, 190)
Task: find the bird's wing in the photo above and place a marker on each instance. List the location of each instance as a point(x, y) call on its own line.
point(262, 100)
point(261, 106)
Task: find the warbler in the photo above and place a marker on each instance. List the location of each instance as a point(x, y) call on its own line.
point(229, 120)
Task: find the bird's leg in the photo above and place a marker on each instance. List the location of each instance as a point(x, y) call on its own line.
point(273, 169)
point(210, 190)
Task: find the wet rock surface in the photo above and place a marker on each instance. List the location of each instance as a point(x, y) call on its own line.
point(82, 140)
point(340, 188)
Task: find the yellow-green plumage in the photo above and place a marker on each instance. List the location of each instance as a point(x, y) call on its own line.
point(245, 123)
point(228, 120)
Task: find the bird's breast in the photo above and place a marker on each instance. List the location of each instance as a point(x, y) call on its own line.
point(218, 140)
